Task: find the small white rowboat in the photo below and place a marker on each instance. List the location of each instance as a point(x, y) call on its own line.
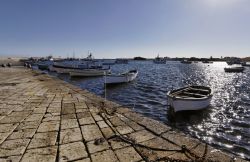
point(189, 98)
point(121, 78)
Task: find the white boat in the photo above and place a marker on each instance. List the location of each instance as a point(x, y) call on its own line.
point(121, 78)
point(189, 98)
point(88, 72)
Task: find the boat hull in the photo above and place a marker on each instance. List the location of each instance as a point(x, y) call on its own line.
point(189, 98)
point(120, 79)
point(234, 70)
point(89, 72)
point(194, 104)
point(61, 70)
point(43, 67)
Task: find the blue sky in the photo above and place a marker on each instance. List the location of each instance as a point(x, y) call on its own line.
point(125, 28)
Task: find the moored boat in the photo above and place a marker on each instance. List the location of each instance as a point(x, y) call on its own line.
point(88, 72)
point(236, 69)
point(186, 62)
point(189, 98)
point(121, 78)
point(159, 60)
point(43, 66)
point(207, 62)
point(245, 64)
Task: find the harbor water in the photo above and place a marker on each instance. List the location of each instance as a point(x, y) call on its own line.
point(225, 124)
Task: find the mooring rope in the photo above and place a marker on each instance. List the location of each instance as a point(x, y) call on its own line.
point(187, 152)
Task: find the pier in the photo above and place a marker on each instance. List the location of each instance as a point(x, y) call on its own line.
point(43, 118)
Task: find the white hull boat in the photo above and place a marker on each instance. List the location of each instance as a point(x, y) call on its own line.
point(61, 70)
point(121, 78)
point(189, 98)
point(88, 72)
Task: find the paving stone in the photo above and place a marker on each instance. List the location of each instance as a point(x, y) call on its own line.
point(180, 139)
point(124, 129)
point(54, 110)
point(72, 151)
point(70, 135)
point(3, 136)
point(69, 123)
point(93, 147)
point(11, 159)
point(55, 104)
point(12, 119)
point(15, 113)
point(47, 154)
point(154, 126)
point(87, 120)
point(34, 117)
point(50, 117)
point(4, 128)
point(97, 117)
point(69, 116)
point(28, 125)
point(81, 105)
point(134, 125)
point(68, 108)
point(13, 147)
point(91, 132)
point(5, 112)
point(128, 154)
point(141, 136)
point(117, 143)
point(133, 115)
point(81, 110)
point(48, 126)
point(104, 156)
point(22, 133)
point(161, 144)
point(39, 110)
point(115, 121)
point(83, 114)
point(177, 156)
point(83, 160)
point(102, 124)
point(43, 139)
point(107, 132)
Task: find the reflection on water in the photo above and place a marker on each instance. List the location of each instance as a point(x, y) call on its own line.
point(226, 124)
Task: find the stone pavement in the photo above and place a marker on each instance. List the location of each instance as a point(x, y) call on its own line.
point(45, 119)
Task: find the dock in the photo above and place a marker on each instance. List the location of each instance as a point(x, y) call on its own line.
point(45, 119)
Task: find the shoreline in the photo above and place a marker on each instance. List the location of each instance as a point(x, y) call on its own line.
point(103, 130)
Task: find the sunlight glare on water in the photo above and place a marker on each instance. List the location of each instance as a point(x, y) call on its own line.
point(225, 124)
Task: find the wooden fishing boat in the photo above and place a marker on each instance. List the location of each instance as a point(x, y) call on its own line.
point(121, 78)
point(189, 98)
point(234, 69)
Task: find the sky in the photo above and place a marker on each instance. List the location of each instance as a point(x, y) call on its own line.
point(125, 28)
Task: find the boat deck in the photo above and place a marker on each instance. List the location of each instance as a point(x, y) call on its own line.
point(191, 92)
